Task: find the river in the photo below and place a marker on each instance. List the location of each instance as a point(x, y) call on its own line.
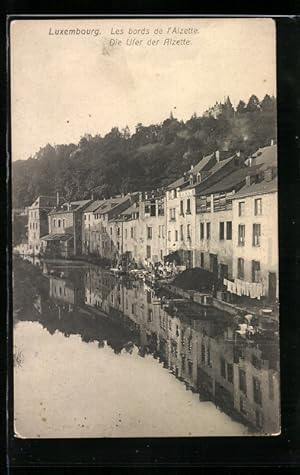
point(100, 356)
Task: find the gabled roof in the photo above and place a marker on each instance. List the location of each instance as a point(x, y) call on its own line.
point(75, 206)
point(266, 156)
point(229, 182)
point(79, 204)
point(177, 183)
point(131, 209)
point(210, 179)
point(108, 205)
point(44, 201)
point(257, 188)
point(93, 206)
point(204, 164)
point(112, 203)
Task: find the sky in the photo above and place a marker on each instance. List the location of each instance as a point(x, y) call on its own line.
point(66, 86)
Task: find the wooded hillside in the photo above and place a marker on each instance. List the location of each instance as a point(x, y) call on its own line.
point(151, 157)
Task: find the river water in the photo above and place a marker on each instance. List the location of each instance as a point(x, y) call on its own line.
point(96, 356)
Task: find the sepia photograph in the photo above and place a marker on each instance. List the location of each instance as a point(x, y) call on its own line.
point(145, 280)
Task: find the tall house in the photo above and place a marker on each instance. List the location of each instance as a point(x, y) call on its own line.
point(184, 204)
point(130, 223)
point(90, 236)
point(255, 230)
point(152, 227)
point(103, 232)
point(255, 235)
point(214, 223)
point(65, 230)
point(38, 221)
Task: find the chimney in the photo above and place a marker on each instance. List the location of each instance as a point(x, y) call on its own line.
point(192, 166)
point(92, 196)
point(57, 198)
point(248, 180)
point(217, 155)
point(272, 142)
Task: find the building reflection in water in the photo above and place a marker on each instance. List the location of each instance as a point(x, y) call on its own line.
point(199, 345)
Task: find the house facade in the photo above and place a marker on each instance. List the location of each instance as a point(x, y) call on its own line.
point(255, 238)
point(38, 221)
point(65, 230)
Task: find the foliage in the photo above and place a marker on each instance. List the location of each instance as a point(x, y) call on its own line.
point(149, 158)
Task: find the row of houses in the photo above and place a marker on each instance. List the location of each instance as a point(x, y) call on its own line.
point(221, 215)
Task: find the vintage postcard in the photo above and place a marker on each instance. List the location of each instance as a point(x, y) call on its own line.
point(145, 233)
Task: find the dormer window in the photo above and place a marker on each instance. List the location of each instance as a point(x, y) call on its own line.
point(198, 177)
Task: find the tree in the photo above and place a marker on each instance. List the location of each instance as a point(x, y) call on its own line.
point(268, 104)
point(241, 107)
point(253, 104)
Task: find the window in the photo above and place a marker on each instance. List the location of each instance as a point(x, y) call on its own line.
point(271, 386)
point(202, 353)
point(159, 231)
point(255, 271)
point(118, 231)
point(64, 223)
point(221, 231)
point(188, 206)
point(241, 235)
point(111, 231)
point(202, 259)
point(201, 230)
point(230, 372)
point(258, 207)
point(188, 231)
point(54, 222)
point(242, 406)
point(229, 230)
point(131, 232)
point(242, 381)
point(176, 235)
point(259, 419)
point(241, 271)
point(169, 235)
point(207, 230)
point(257, 391)
point(181, 208)
point(242, 208)
point(208, 357)
point(149, 232)
point(223, 368)
point(172, 214)
point(148, 252)
point(150, 315)
point(181, 232)
point(190, 368)
point(256, 234)
point(125, 233)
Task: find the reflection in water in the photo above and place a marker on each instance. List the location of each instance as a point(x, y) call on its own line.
point(152, 367)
